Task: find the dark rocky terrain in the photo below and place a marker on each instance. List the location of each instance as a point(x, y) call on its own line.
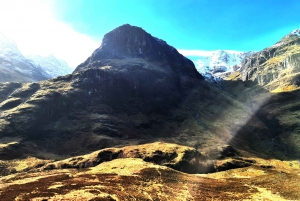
point(136, 117)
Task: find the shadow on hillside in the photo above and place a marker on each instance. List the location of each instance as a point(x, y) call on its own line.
point(279, 134)
point(271, 130)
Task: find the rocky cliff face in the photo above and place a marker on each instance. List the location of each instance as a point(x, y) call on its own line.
point(140, 62)
point(133, 64)
point(133, 42)
point(278, 64)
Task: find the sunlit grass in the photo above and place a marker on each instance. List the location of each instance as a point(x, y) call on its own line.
point(7, 141)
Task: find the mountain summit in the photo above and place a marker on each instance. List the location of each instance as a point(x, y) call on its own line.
point(133, 42)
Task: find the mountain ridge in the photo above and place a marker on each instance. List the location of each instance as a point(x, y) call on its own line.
point(133, 42)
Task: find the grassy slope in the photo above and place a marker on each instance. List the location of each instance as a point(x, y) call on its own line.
point(133, 178)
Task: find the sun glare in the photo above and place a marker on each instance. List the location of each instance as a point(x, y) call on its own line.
point(33, 26)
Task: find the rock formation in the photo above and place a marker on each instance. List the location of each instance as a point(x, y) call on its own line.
point(278, 64)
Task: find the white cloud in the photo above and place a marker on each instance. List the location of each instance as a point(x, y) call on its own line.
point(204, 53)
point(201, 53)
point(33, 26)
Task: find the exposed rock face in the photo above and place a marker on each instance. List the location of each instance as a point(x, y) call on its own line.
point(133, 42)
point(275, 63)
point(132, 61)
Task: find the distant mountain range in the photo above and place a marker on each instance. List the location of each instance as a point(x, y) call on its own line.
point(51, 65)
point(14, 66)
point(219, 63)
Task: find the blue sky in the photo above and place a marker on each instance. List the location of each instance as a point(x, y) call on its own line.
point(72, 29)
point(190, 24)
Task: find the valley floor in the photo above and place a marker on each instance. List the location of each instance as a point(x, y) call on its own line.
point(130, 177)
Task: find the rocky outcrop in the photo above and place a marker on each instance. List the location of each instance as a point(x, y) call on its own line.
point(130, 61)
point(273, 63)
point(133, 42)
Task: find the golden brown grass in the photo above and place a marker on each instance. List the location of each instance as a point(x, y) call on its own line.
point(125, 179)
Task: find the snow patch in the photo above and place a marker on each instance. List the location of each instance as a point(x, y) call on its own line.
point(277, 44)
point(295, 32)
point(50, 64)
point(219, 62)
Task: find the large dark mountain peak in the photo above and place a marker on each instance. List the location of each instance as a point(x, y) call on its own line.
point(110, 97)
point(133, 43)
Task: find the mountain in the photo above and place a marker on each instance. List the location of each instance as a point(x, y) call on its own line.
point(220, 62)
point(134, 88)
point(276, 67)
point(51, 65)
point(136, 121)
point(14, 66)
point(268, 82)
point(132, 74)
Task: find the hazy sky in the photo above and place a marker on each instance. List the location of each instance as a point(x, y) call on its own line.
point(73, 29)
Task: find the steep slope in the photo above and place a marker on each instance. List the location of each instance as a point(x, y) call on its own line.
point(52, 66)
point(276, 67)
point(15, 67)
point(268, 82)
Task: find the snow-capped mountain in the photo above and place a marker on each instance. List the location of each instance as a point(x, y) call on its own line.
point(51, 65)
point(9, 48)
point(219, 62)
point(14, 66)
point(294, 33)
